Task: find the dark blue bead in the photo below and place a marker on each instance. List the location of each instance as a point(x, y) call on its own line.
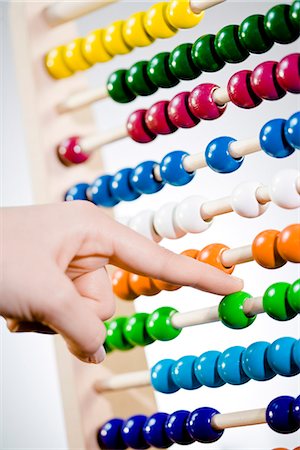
point(254, 362)
point(121, 188)
point(176, 428)
point(206, 369)
point(161, 377)
point(280, 357)
point(172, 170)
point(296, 410)
point(142, 178)
point(155, 431)
point(132, 432)
point(199, 425)
point(292, 130)
point(100, 193)
point(218, 158)
point(77, 192)
point(279, 415)
point(273, 140)
point(109, 436)
point(230, 366)
point(183, 373)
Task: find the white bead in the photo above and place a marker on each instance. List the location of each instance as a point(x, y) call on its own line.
point(143, 223)
point(188, 215)
point(165, 224)
point(244, 201)
point(283, 189)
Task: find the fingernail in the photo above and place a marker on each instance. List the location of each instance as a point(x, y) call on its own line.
point(99, 356)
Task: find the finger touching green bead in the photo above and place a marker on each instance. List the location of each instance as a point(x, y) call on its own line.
point(204, 54)
point(181, 63)
point(231, 312)
point(117, 87)
point(275, 302)
point(228, 45)
point(293, 296)
point(159, 325)
point(138, 80)
point(135, 330)
point(253, 35)
point(159, 72)
point(279, 26)
point(115, 338)
point(295, 14)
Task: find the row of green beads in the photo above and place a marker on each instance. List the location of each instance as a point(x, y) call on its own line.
point(232, 44)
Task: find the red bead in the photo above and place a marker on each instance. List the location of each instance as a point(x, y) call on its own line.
point(240, 92)
point(201, 102)
point(264, 82)
point(179, 111)
point(288, 73)
point(69, 152)
point(157, 119)
point(137, 128)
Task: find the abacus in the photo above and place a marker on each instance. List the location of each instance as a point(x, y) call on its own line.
point(221, 187)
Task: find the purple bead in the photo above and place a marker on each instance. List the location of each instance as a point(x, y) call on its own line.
point(176, 428)
point(70, 152)
point(157, 119)
point(240, 91)
point(109, 436)
point(132, 432)
point(155, 431)
point(288, 73)
point(179, 111)
point(264, 82)
point(199, 425)
point(137, 128)
point(202, 104)
point(279, 415)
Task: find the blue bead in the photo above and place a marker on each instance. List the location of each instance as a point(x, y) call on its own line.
point(296, 410)
point(142, 178)
point(183, 373)
point(121, 188)
point(176, 428)
point(292, 130)
point(280, 359)
point(255, 364)
point(110, 437)
point(230, 366)
point(199, 425)
point(218, 157)
point(132, 432)
point(161, 377)
point(77, 192)
point(172, 170)
point(100, 193)
point(273, 141)
point(279, 415)
point(206, 369)
point(296, 352)
point(155, 431)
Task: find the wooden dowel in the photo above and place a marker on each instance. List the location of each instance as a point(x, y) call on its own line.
point(200, 5)
point(237, 255)
point(194, 162)
point(216, 207)
point(237, 149)
point(220, 96)
point(81, 99)
point(124, 381)
point(96, 141)
point(239, 419)
point(253, 306)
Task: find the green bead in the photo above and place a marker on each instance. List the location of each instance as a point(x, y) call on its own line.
point(231, 312)
point(115, 338)
point(138, 80)
point(135, 330)
point(293, 296)
point(253, 35)
point(295, 14)
point(181, 63)
point(279, 26)
point(106, 345)
point(117, 87)
point(275, 302)
point(159, 324)
point(204, 54)
point(159, 72)
point(228, 45)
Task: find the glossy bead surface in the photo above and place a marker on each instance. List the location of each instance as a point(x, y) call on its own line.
point(159, 72)
point(56, 65)
point(120, 283)
point(292, 130)
point(264, 82)
point(134, 32)
point(156, 24)
point(161, 377)
point(120, 186)
point(135, 330)
point(211, 254)
point(176, 427)
point(137, 128)
point(253, 36)
point(77, 192)
point(183, 373)
point(155, 431)
point(296, 353)
point(138, 81)
point(206, 369)
point(254, 362)
point(142, 178)
point(231, 311)
point(142, 285)
point(279, 415)
point(100, 193)
point(202, 104)
point(164, 286)
point(117, 87)
point(159, 325)
point(179, 112)
point(230, 366)
point(294, 14)
point(109, 436)
point(115, 337)
point(264, 250)
point(181, 63)
point(228, 45)
point(273, 140)
point(244, 201)
point(218, 158)
point(296, 411)
point(199, 425)
point(288, 74)
point(240, 91)
point(157, 119)
point(73, 57)
point(113, 39)
point(288, 244)
point(180, 15)
point(93, 48)
point(279, 26)
point(280, 357)
point(172, 170)
point(275, 302)
point(283, 189)
point(204, 54)
point(164, 222)
point(293, 296)
point(132, 432)
point(70, 152)
point(188, 215)
point(143, 223)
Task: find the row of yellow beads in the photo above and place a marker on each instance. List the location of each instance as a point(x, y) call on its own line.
point(162, 20)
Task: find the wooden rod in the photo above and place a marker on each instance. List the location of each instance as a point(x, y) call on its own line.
point(239, 419)
point(81, 99)
point(237, 255)
point(96, 141)
point(123, 381)
point(197, 6)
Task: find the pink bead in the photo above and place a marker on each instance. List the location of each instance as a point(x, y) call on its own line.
point(157, 119)
point(179, 111)
point(70, 152)
point(201, 102)
point(240, 91)
point(264, 83)
point(288, 73)
point(137, 128)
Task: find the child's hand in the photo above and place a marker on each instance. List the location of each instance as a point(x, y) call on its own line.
point(53, 273)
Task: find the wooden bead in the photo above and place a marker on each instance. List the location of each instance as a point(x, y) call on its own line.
point(279, 26)
point(180, 15)
point(165, 286)
point(240, 91)
point(70, 152)
point(202, 104)
point(134, 32)
point(264, 83)
point(157, 119)
point(288, 73)
point(212, 254)
point(137, 128)
point(264, 250)
point(192, 253)
point(138, 80)
point(113, 39)
point(288, 244)
point(118, 88)
point(181, 63)
point(55, 64)
point(204, 54)
point(93, 48)
point(73, 56)
point(121, 287)
point(228, 46)
point(179, 112)
point(253, 35)
point(159, 72)
point(156, 24)
point(141, 285)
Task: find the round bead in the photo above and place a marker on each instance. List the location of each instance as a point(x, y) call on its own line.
point(264, 82)
point(264, 250)
point(188, 215)
point(293, 296)
point(191, 253)
point(204, 54)
point(288, 244)
point(73, 56)
point(231, 312)
point(113, 39)
point(156, 24)
point(165, 224)
point(292, 130)
point(134, 33)
point(100, 193)
point(228, 45)
point(164, 286)
point(254, 362)
point(159, 325)
point(109, 436)
point(142, 285)
point(161, 377)
point(70, 152)
point(121, 188)
point(202, 104)
point(157, 119)
point(181, 63)
point(115, 337)
point(176, 428)
point(253, 36)
point(77, 192)
point(142, 178)
point(230, 366)
point(279, 415)
point(244, 201)
point(296, 353)
point(159, 72)
point(212, 254)
point(179, 112)
point(138, 81)
point(132, 432)
point(279, 357)
point(199, 425)
point(143, 223)
point(294, 14)
point(117, 87)
point(137, 128)
point(180, 15)
point(206, 369)
point(55, 64)
point(240, 91)
point(279, 26)
point(183, 373)
point(273, 140)
point(93, 49)
point(135, 330)
point(120, 283)
point(155, 431)
point(218, 157)
point(296, 411)
point(172, 170)
point(287, 73)
point(275, 302)
point(283, 190)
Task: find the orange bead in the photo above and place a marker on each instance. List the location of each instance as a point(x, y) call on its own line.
point(192, 253)
point(211, 254)
point(120, 283)
point(142, 285)
point(264, 250)
point(288, 244)
point(164, 286)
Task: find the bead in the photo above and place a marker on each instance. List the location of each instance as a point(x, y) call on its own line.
point(188, 215)
point(296, 411)
point(159, 72)
point(93, 48)
point(117, 87)
point(165, 224)
point(132, 432)
point(206, 369)
point(292, 130)
point(181, 63)
point(179, 112)
point(183, 373)
point(293, 296)
point(99, 192)
point(231, 312)
point(161, 377)
point(135, 330)
point(70, 152)
point(294, 14)
point(142, 178)
point(254, 362)
point(115, 337)
point(142, 285)
point(138, 81)
point(156, 24)
point(191, 253)
point(288, 244)
point(199, 425)
point(279, 415)
point(55, 64)
point(202, 104)
point(279, 26)
point(172, 170)
point(77, 192)
point(73, 56)
point(253, 36)
point(212, 254)
point(279, 357)
point(137, 128)
point(244, 201)
point(275, 302)
point(287, 73)
point(155, 432)
point(180, 15)
point(240, 91)
point(113, 39)
point(273, 140)
point(228, 45)
point(176, 428)
point(120, 283)
point(230, 366)
point(120, 186)
point(109, 436)
point(283, 189)
point(296, 353)
point(264, 250)
point(264, 82)
point(159, 325)
point(204, 54)
point(157, 119)
point(218, 157)
point(143, 223)
point(134, 32)
point(164, 286)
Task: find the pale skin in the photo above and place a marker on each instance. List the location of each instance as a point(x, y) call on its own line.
point(54, 278)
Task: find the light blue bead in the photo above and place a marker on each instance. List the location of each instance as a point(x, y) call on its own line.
point(230, 366)
point(218, 157)
point(254, 362)
point(183, 373)
point(280, 359)
point(292, 130)
point(161, 377)
point(273, 140)
point(77, 192)
point(100, 193)
point(296, 353)
point(172, 170)
point(121, 188)
point(206, 369)
point(142, 178)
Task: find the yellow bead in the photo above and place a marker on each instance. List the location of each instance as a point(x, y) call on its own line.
point(180, 15)
point(113, 39)
point(134, 31)
point(156, 24)
point(73, 56)
point(93, 48)
point(56, 65)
